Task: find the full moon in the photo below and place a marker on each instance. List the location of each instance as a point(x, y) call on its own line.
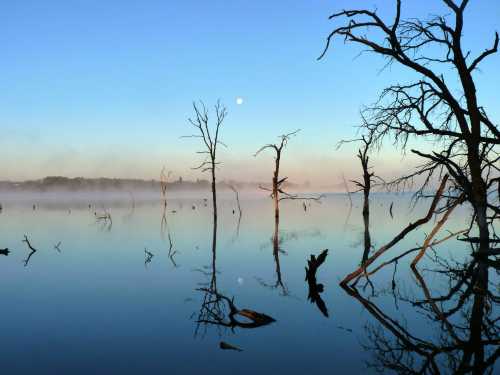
point(239, 100)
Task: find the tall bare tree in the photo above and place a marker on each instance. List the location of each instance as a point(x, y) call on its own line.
point(466, 139)
point(210, 140)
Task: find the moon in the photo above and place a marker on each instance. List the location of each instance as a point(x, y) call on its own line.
point(239, 100)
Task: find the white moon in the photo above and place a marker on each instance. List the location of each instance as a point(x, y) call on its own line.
point(239, 100)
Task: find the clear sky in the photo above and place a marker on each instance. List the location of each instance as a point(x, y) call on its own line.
point(104, 88)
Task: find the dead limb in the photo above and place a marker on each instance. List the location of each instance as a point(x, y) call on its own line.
point(412, 226)
point(415, 249)
point(436, 229)
point(253, 318)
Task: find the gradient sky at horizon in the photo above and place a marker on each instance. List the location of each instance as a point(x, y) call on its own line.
point(104, 88)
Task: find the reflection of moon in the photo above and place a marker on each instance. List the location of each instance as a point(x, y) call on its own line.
point(239, 100)
point(240, 280)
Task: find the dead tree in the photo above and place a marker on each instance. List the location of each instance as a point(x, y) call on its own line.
point(210, 140)
point(365, 187)
point(163, 185)
point(277, 188)
point(465, 137)
point(368, 176)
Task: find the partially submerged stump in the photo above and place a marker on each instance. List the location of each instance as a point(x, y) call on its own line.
point(314, 288)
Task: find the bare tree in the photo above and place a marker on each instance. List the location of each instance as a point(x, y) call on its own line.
point(210, 140)
point(368, 176)
point(163, 185)
point(465, 137)
point(277, 190)
point(364, 186)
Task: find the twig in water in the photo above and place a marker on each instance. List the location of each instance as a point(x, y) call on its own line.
point(148, 257)
point(33, 250)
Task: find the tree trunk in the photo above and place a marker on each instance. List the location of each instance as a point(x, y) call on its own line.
point(275, 186)
point(214, 194)
point(479, 197)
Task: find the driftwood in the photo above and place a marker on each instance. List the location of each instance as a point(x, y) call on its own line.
point(412, 226)
point(253, 318)
point(225, 346)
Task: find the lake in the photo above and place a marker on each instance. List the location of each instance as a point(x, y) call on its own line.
point(138, 293)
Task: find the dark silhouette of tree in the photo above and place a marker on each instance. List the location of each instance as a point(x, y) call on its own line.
point(277, 188)
point(365, 187)
point(210, 140)
point(465, 137)
point(277, 182)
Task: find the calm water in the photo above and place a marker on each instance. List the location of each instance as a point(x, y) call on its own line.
point(102, 305)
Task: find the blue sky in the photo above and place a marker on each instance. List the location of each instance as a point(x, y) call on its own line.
point(104, 88)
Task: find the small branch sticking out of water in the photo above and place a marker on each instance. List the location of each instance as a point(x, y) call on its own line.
point(237, 198)
point(347, 190)
point(33, 250)
point(148, 256)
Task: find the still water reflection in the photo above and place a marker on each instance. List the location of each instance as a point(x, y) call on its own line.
point(125, 288)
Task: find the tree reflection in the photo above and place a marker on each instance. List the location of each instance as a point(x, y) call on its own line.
point(219, 310)
point(462, 315)
point(277, 241)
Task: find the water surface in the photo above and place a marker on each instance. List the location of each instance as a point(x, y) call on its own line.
point(126, 295)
